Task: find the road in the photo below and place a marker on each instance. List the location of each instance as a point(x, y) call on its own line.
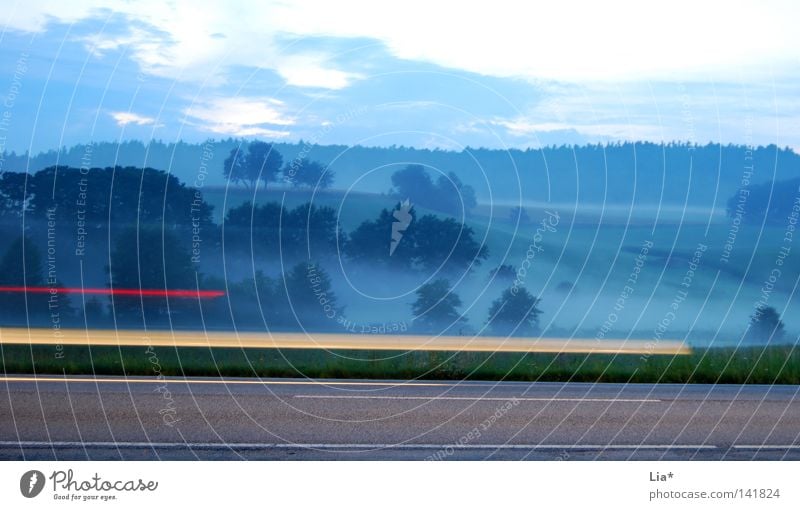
point(70, 418)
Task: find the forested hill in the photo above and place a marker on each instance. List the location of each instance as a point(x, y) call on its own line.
point(644, 173)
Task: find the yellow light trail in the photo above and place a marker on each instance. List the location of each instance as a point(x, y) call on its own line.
point(333, 341)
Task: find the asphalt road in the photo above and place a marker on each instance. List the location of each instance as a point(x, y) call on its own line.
point(72, 418)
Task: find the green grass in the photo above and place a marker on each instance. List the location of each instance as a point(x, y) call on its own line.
point(754, 365)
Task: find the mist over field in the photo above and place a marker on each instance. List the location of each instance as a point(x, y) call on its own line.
point(634, 240)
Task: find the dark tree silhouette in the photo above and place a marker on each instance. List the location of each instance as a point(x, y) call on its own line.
point(234, 166)
point(519, 213)
point(149, 258)
point(122, 195)
point(261, 163)
point(448, 194)
point(12, 194)
point(769, 202)
point(427, 243)
point(413, 182)
point(94, 313)
point(18, 270)
point(257, 303)
point(505, 273)
point(248, 227)
point(454, 197)
point(313, 304)
point(307, 231)
point(436, 308)
point(534, 167)
point(446, 243)
point(765, 326)
point(311, 174)
point(370, 242)
point(514, 313)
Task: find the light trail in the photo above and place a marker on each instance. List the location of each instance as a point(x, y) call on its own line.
point(175, 293)
point(335, 341)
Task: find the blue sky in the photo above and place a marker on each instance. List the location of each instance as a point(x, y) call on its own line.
point(425, 74)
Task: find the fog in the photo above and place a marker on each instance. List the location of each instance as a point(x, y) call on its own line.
point(304, 258)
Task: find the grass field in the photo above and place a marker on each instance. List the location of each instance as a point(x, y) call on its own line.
point(751, 365)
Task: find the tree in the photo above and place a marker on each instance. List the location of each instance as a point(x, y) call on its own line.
point(436, 307)
point(262, 162)
point(447, 244)
point(514, 313)
point(94, 313)
point(13, 199)
point(519, 213)
point(765, 326)
point(370, 242)
point(448, 194)
point(771, 202)
point(18, 270)
point(256, 302)
point(310, 232)
point(304, 172)
point(312, 302)
point(121, 195)
point(149, 258)
point(505, 273)
point(234, 166)
point(413, 182)
point(276, 231)
point(429, 243)
point(453, 196)
point(260, 224)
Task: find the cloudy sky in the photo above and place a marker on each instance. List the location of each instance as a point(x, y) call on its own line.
point(421, 73)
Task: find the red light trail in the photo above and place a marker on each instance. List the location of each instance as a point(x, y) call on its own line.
point(173, 293)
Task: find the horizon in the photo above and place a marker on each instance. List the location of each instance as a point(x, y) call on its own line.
point(301, 142)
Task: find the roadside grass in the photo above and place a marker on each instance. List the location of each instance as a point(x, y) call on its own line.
point(749, 365)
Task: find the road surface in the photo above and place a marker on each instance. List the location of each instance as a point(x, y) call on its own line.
point(52, 417)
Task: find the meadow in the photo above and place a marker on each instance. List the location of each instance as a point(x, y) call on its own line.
point(584, 266)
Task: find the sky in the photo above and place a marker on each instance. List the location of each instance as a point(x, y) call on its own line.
point(445, 75)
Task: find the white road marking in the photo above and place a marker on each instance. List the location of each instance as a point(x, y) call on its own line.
point(272, 382)
point(768, 446)
point(142, 380)
point(348, 446)
point(502, 399)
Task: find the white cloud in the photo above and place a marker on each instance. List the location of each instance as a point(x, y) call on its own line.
point(240, 116)
point(125, 118)
point(310, 71)
point(566, 40)
point(602, 50)
point(197, 41)
point(694, 112)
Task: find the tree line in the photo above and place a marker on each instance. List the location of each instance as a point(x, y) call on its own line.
point(141, 224)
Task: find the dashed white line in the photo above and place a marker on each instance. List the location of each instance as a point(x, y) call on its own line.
point(347, 446)
point(269, 382)
point(489, 399)
point(768, 446)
